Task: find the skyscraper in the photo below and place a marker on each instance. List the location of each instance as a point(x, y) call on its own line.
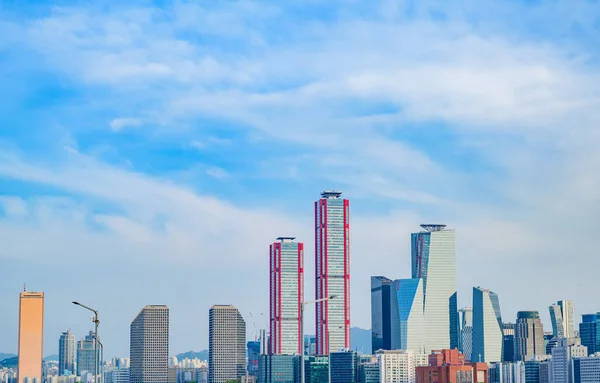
point(31, 335)
point(343, 366)
point(466, 331)
point(86, 355)
point(66, 353)
point(508, 342)
point(407, 321)
point(487, 327)
point(226, 344)
point(149, 345)
point(434, 261)
point(380, 314)
point(529, 336)
point(563, 319)
point(589, 332)
point(332, 272)
point(287, 295)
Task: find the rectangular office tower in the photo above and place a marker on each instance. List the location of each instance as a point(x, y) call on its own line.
point(407, 320)
point(332, 272)
point(487, 327)
point(380, 314)
point(466, 331)
point(287, 295)
point(226, 344)
point(66, 353)
point(149, 345)
point(434, 261)
point(31, 335)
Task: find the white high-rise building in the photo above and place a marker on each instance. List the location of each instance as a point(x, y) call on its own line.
point(149, 345)
point(562, 359)
point(562, 315)
point(434, 261)
point(226, 344)
point(487, 327)
point(332, 272)
point(407, 320)
point(287, 295)
point(398, 366)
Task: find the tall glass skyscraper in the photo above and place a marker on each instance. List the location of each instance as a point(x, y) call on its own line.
point(149, 345)
point(589, 332)
point(466, 331)
point(529, 336)
point(287, 295)
point(434, 261)
point(66, 353)
point(86, 355)
point(407, 320)
point(487, 327)
point(332, 272)
point(380, 314)
point(562, 315)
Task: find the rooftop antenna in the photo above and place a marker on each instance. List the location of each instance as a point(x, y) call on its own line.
point(24, 287)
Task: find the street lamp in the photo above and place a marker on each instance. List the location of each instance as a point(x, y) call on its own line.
point(302, 307)
point(96, 323)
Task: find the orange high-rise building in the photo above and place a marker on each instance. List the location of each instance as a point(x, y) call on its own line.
point(31, 335)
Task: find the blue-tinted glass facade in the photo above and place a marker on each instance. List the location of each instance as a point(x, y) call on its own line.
point(589, 332)
point(253, 356)
point(279, 369)
point(316, 369)
point(344, 367)
point(380, 314)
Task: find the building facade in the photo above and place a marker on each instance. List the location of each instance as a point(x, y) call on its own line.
point(368, 372)
point(316, 369)
point(253, 348)
point(381, 338)
point(487, 327)
point(66, 353)
point(562, 316)
point(398, 366)
point(31, 337)
point(449, 366)
point(149, 345)
point(407, 319)
point(279, 369)
point(587, 370)
point(332, 272)
point(529, 336)
point(343, 366)
point(589, 332)
point(226, 344)
point(286, 296)
point(434, 261)
point(466, 331)
point(563, 354)
point(87, 355)
point(508, 342)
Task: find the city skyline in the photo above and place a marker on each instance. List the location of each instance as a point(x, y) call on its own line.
point(164, 146)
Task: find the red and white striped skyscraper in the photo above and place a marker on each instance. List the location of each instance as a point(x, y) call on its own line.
point(287, 295)
point(332, 272)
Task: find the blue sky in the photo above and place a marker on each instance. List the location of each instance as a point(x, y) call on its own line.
point(151, 151)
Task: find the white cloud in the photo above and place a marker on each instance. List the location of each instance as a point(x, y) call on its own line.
point(119, 124)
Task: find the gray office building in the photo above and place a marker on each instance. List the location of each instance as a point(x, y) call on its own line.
point(85, 355)
point(380, 314)
point(368, 372)
point(149, 345)
point(226, 344)
point(66, 353)
point(529, 336)
point(344, 367)
point(466, 331)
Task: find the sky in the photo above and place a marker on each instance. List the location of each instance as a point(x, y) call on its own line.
point(150, 151)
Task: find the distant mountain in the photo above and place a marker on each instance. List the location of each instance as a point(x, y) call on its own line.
point(51, 357)
point(202, 355)
point(360, 340)
point(4, 356)
point(9, 362)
